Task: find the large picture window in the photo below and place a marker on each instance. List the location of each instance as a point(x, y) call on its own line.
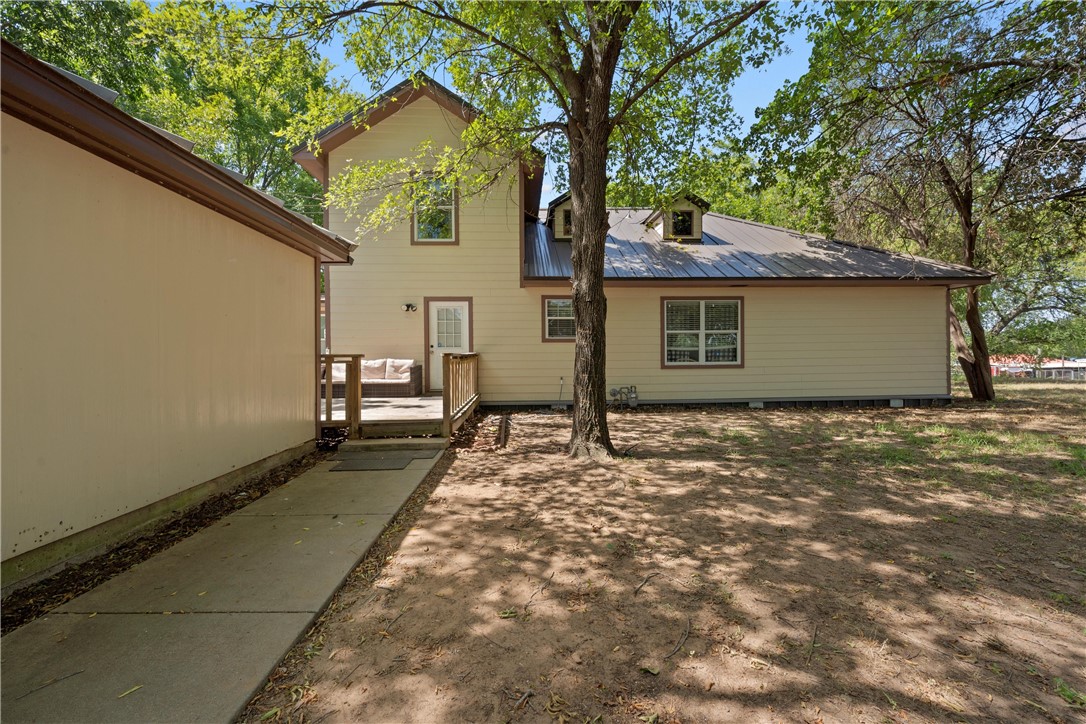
point(436, 220)
point(702, 332)
point(558, 323)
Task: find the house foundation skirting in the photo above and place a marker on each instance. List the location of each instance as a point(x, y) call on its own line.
point(767, 403)
point(33, 566)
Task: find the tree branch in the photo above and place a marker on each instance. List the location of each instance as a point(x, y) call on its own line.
point(738, 19)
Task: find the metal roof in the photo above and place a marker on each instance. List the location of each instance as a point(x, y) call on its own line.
point(733, 249)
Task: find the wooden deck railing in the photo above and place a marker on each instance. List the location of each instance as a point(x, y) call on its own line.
point(460, 390)
point(351, 394)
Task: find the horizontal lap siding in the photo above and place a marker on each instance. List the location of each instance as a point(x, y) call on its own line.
point(149, 343)
point(800, 342)
point(389, 272)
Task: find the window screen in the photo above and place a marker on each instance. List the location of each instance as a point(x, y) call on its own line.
point(559, 319)
point(435, 220)
point(701, 332)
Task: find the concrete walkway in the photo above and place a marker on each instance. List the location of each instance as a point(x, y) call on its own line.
point(198, 627)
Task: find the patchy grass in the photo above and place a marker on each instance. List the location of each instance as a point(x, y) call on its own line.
point(919, 565)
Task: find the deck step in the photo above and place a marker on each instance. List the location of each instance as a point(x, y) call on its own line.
point(402, 443)
point(427, 429)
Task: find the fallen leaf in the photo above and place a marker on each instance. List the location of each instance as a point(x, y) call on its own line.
point(650, 670)
point(201, 593)
point(93, 615)
point(137, 686)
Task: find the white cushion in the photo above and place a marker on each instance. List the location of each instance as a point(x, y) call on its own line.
point(399, 369)
point(373, 369)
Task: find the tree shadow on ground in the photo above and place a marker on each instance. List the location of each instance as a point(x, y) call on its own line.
point(792, 565)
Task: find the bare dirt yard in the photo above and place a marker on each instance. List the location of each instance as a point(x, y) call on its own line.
point(924, 564)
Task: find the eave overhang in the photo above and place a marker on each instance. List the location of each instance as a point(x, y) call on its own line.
point(37, 94)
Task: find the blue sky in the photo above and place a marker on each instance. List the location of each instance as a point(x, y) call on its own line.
point(754, 88)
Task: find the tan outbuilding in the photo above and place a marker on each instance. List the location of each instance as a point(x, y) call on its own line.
point(160, 322)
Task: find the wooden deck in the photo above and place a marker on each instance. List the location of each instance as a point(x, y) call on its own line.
point(395, 416)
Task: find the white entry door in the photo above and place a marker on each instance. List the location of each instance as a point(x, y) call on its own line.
point(450, 331)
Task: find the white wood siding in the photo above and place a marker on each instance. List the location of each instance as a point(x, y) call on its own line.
point(149, 343)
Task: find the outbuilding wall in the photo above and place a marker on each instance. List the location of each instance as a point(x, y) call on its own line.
point(150, 345)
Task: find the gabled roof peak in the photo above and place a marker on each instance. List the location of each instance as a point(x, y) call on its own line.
point(692, 198)
point(378, 108)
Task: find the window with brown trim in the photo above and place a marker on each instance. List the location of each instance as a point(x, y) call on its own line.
point(567, 222)
point(558, 322)
point(702, 332)
point(435, 221)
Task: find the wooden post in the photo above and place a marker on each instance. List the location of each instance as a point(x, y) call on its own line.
point(475, 375)
point(446, 395)
point(353, 396)
point(327, 387)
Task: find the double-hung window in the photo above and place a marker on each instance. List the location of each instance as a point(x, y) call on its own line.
point(435, 214)
point(558, 323)
point(702, 332)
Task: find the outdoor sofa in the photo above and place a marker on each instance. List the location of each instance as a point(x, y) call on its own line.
point(380, 378)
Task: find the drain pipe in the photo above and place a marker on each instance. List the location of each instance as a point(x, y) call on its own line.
point(561, 387)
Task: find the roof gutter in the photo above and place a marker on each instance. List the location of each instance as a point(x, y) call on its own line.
point(40, 96)
point(949, 282)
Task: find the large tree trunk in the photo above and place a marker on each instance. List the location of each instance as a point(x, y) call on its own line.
point(982, 366)
point(972, 355)
point(588, 184)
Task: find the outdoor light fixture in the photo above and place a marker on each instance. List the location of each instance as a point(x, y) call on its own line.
point(409, 307)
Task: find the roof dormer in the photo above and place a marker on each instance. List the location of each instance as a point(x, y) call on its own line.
point(681, 219)
point(560, 217)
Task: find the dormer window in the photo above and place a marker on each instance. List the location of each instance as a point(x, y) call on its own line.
point(682, 223)
point(560, 217)
point(435, 223)
point(679, 220)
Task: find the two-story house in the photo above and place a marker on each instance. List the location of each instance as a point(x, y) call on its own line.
point(701, 307)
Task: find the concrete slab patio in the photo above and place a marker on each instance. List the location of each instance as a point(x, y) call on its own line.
point(198, 627)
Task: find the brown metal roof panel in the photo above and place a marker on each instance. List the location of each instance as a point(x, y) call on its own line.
point(626, 261)
point(661, 261)
point(771, 253)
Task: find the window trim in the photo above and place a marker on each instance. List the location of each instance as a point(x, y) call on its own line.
point(741, 347)
point(544, 337)
point(455, 240)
